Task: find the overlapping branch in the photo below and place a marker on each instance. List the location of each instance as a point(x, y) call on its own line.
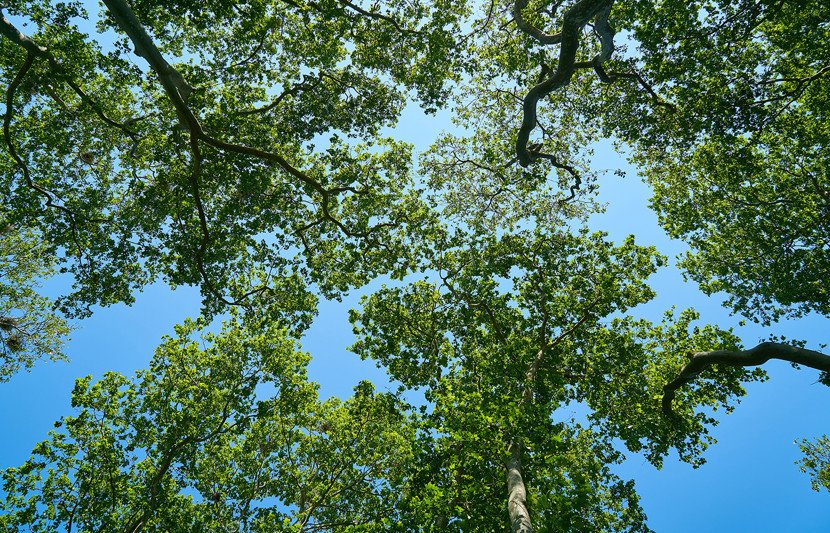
point(14, 35)
point(700, 361)
point(574, 21)
point(178, 90)
point(529, 29)
point(535, 154)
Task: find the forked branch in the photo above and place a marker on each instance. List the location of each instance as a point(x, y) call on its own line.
point(573, 22)
point(529, 29)
point(700, 361)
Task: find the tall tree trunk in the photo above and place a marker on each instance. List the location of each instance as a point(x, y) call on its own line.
point(516, 494)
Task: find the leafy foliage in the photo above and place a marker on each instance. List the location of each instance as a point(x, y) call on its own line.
point(816, 461)
point(29, 329)
point(737, 155)
point(517, 329)
point(243, 148)
point(190, 445)
point(137, 193)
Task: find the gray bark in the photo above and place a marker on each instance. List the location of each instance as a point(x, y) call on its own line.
point(516, 493)
point(700, 361)
point(171, 79)
point(574, 20)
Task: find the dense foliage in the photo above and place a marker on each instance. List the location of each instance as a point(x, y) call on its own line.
point(244, 148)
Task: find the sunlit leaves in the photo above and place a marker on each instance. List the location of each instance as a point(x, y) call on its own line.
point(816, 461)
point(217, 435)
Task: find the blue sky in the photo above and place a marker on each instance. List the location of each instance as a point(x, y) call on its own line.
point(748, 484)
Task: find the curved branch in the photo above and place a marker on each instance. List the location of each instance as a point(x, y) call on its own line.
point(36, 50)
point(606, 37)
point(378, 16)
point(613, 76)
point(171, 79)
point(8, 31)
point(369, 14)
point(47, 195)
point(574, 20)
point(536, 33)
point(534, 154)
point(700, 361)
point(178, 89)
point(302, 86)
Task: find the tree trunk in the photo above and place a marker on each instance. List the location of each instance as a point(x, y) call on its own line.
point(516, 494)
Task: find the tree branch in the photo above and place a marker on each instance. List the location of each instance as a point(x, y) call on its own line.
point(178, 90)
point(14, 35)
point(536, 154)
point(8, 31)
point(613, 76)
point(532, 31)
point(172, 81)
point(574, 20)
point(700, 361)
point(302, 86)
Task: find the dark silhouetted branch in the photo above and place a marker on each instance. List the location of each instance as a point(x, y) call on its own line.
point(574, 21)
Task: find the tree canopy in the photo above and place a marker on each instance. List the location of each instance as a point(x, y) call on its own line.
point(29, 329)
point(249, 149)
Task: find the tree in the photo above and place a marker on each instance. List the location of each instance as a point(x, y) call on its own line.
point(29, 330)
point(516, 328)
point(202, 168)
point(189, 443)
point(176, 176)
point(187, 446)
point(724, 107)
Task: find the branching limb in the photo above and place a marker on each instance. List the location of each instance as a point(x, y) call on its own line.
point(303, 86)
point(15, 36)
point(537, 359)
point(534, 154)
point(178, 90)
point(176, 87)
point(378, 16)
point(529, 29)
point(369, 14)
point(613, 76)
point(800, 86)
point(11, 33)
point(574, 20)
point(70, 215)
point(700, 361)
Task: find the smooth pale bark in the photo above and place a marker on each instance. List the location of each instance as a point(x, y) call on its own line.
point(700, 361)
point(516, 493)
point(172, 81)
